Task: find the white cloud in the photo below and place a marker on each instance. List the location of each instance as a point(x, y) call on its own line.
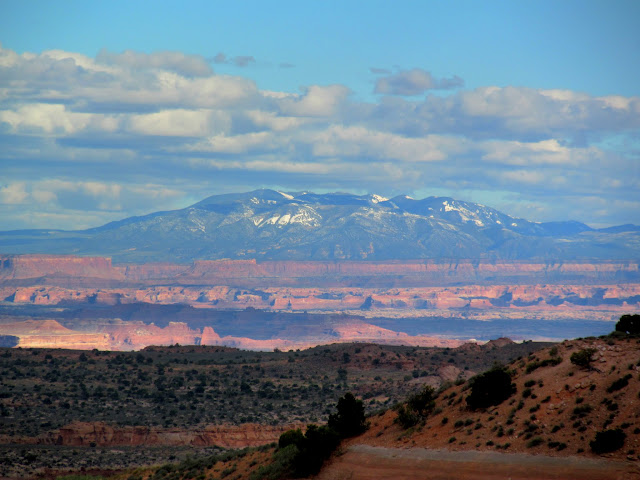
point(44, 197)
point(272, 121)
point(339, 140)
point(188, 65)
point(529, 110)
point(268, 164)
point(13, 194)
point(545, 152)
point(48, 118)
point(316, 102)
point(112, 132)
point(180, 122)
point(236, 144)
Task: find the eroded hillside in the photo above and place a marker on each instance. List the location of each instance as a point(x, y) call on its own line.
point(559, 408)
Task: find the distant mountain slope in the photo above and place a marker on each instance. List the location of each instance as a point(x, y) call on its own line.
point(266, 224)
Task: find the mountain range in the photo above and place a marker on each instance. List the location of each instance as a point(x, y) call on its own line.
point(273, 225)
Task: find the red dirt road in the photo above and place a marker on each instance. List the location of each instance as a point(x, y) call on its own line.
point(364, 462)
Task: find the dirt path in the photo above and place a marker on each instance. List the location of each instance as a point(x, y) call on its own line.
point(364, 462)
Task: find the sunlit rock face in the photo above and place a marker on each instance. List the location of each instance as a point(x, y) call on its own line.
point(363, 290)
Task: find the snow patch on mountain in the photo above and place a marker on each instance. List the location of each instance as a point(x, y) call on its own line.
point(304, 215)
point(286, 195)
point(198, 225)
point(466, 215)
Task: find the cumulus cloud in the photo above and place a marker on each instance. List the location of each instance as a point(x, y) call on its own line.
point(13, 194)
point(129, 133)
point(259, 141)
point(179, 122)
point(188, 65)
point(545, 152)
point(413, 82)
point(360, 142)
point(114, 83)
point(317, 101)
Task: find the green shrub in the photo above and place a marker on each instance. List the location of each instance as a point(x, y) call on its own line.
point(290, 437)
point(543, 363)
point(608, 441)
point(350, 420)
point(557, 427)
point(317, 446)
point(490, 388)
point(629, 324)
point(418, 407)
point(583, 358)
point(582, 410)
point(534, 442)
point(282, 465)
point(424, 402)
point(406, 417)
point(619, 384)
point(300, 455)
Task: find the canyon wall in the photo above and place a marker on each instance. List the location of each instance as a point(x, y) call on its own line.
point(99, 271)
point(615, 298)
point(369, 290)
point(84, 434)
point(17, 267)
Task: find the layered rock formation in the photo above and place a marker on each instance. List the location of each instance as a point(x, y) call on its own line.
point(137, 335)
point(391, 290)
point(96, 271)
point(84, 434)
point(611, 299)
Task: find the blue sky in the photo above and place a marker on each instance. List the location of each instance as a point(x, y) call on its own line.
point(112, 109)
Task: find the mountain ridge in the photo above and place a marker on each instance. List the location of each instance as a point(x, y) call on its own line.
point(272, 225)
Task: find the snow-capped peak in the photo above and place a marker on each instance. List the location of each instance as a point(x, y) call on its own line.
point(378, 198)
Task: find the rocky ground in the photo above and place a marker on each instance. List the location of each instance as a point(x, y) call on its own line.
point(556, 410)
point(544, 429)
point(196, 396)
